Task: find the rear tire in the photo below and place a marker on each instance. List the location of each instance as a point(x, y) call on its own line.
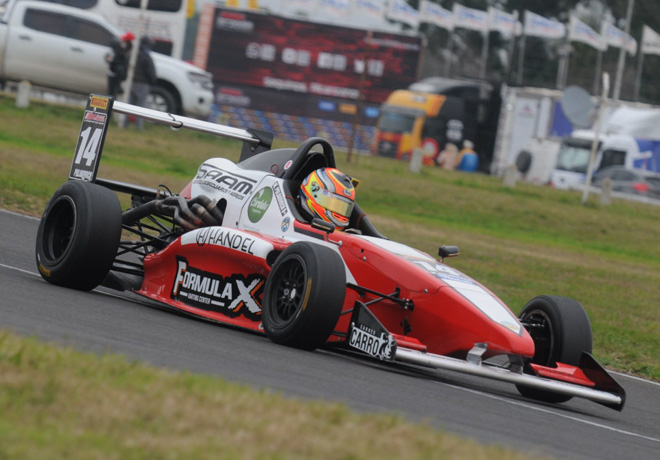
point(79, 235)
point(304, 296)
point(562, 333)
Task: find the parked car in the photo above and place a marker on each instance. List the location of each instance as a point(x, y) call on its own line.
point(633, 181)
point(65, 48)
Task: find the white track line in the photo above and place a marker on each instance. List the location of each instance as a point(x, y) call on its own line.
point(548, 411)
point(19, 215)
point(634, 377)
point(19, 269)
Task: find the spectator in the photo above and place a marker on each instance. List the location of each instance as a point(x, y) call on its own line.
point(118, 63)
point(468, 160)
point(447, 159)
point(143, 77)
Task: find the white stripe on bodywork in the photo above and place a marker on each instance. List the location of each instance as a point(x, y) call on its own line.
point(463, 284)
point(230, 238)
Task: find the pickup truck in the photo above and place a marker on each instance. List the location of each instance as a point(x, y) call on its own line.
point(65, 48)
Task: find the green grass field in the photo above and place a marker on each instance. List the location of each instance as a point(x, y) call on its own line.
point(519, 242)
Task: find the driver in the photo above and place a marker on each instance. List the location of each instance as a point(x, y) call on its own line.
point(328, 194)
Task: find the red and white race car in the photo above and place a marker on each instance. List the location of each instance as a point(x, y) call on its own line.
point(233, 247)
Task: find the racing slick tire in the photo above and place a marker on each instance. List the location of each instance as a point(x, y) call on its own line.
point(561, 333)
point(79, 235)
point(304, 296)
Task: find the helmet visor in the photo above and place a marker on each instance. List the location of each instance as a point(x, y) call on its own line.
point(334, 203)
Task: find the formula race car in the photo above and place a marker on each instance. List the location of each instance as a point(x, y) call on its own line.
point(235, 247)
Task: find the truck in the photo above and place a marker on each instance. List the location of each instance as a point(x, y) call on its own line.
point(434, 112)
point(518, 126)
point(628, 138)
point(65, 48)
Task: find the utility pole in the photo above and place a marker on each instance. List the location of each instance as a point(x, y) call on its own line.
point(594, 145)
point(622, 54)
point(126, 97)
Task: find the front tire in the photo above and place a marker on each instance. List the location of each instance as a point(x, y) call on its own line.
point(163, 100)
point(304, 296)
point(79, 235)
point(561, 331)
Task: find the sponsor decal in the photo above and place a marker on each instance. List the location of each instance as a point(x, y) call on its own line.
point(279, 197)
point(234, 21)
point(259, 204)
point(365, 339)
point(286, 223)
point(44, 271)
point(90, 144)
point(230, 238)
point(220, 236)
point(327, 106)
point(441, 271)
point(232, 296)
point(368, 335)
point(288, 164)
point(99, 102)
point(95, 117)
point(232, 184)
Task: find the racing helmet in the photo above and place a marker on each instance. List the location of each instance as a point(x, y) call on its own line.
point(328, 194)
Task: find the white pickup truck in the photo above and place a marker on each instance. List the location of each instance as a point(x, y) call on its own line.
point(65, 48)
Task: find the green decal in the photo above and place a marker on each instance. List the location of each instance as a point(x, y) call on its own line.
point(259, 204)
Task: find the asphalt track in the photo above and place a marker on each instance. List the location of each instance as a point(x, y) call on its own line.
point(489, 412)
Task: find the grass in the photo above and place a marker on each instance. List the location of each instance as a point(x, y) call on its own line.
point(58, 403)
point(519, 242)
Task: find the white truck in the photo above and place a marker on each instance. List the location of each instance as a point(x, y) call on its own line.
point(65, 48)
point(629, 138)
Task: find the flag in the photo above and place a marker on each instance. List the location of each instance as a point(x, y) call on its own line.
point(650, 41)
point(470, 18)
point(616, 37)
point(435, 14)
point(300, 7)
point(400, 11)
point(369, 11)
point(502, 22)
point(338, 10)
point(538, 26)
point(578, 31)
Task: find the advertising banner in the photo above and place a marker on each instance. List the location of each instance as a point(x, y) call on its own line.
point(616, 37)
point(399, 10)
point(435, 14)
point(650, 41)
point(470, 18)
point(538, 26)
point(505, 23)
point(305, 58)
point(578, 31)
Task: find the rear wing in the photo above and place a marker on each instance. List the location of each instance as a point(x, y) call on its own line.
point(95, 124)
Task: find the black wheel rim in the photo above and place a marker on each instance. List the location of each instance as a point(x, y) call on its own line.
point(59, 230)
point(540, 329)
point(289, 291)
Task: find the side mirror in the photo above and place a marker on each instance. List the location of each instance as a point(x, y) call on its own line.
point(447, 251)
point(320, 224)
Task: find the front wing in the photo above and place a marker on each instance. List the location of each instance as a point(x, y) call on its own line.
point(590, 381)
